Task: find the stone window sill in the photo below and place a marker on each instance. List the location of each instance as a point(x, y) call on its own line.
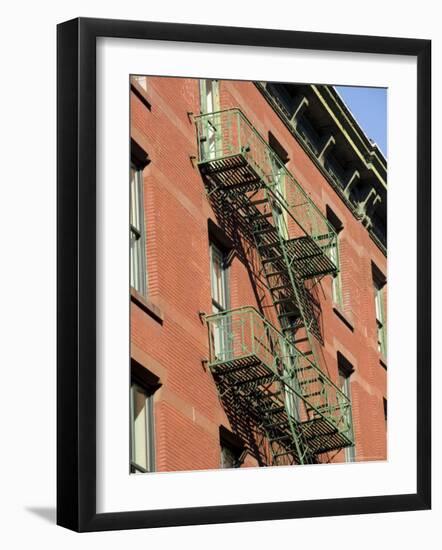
point(147, 305)
point(338, 311)
point(140, 92)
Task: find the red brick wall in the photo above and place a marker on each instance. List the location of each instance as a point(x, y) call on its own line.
point(187, 408)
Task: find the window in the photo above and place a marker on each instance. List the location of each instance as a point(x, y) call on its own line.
point(380, 324)
point(379, 297)
point(278, 160)
point(334, 257)
point(137, 237)
point(308, 133)
point(218, 276)
point(231, 449)
point(142, 429)
point(220, 298)
point(209, 96)
point(345, 370)
point(209, 103)
point(141, 81)
point(335, 170)
point(337, 279)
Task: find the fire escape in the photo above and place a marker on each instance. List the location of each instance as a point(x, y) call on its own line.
point(273, 377)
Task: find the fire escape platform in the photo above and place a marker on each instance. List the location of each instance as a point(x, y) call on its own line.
point(262, 374)
point(231, 173)
point(252, 381)
point(236, 160)
point(309, 257)
point(243, 372)
point(323, 436)
point(251, 362)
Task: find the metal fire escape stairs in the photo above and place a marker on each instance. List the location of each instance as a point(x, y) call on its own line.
point(301, 412)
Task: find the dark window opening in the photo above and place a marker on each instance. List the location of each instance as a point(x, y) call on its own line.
point(231, 449)
point(345, 370)
point(335, 170)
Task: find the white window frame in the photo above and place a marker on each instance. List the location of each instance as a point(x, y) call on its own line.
point(337, 279)
point(138, 271)
point(220, 331)
point(150, 430)
point(209, 96)
point(141, 81)
point(345, 387)
point(380, 317)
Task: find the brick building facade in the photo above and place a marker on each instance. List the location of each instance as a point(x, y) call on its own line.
point(258, 277)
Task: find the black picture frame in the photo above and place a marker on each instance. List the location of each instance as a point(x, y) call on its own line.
point(76, 274)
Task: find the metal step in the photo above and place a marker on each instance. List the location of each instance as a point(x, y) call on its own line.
point(268, 395)
point(283, 454)
point(259, 379)
point(300, 369)
point(268, 245)
point(263, 215)
point(265, 230)
point(309, 381)
point(307, 395)
point(273, 273)
point(272, 410)
point(280, 287)
point(283, 300)
point(260, 201)
point(272, 259)
point(280, 438)
point(289, 314)
point(275, 424)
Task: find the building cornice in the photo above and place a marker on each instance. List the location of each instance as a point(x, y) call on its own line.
point(363, 150)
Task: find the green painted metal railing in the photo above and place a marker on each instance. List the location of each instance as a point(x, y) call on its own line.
point(228, 134)
point(243, 333)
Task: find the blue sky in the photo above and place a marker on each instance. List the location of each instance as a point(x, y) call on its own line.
point(369, 107)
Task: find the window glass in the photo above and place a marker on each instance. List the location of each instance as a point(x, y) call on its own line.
point(209, 96)
point(337, 280)
point(229, 458)
point(380, 320)
point(344, 386)
point(333, 253)
point(141, 81)
point(220, 302)
point(218, 279)
point(137, 237)
point(142, 430)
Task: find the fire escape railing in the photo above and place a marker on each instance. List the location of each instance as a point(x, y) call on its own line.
point(225, 135)
point(295, 242)
point(243, 333)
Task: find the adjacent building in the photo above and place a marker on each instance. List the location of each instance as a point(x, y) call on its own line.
point(258, 274)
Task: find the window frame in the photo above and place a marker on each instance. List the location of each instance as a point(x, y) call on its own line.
point(150, 449)
point(345, 370)
point(380, 318)
point(141, 80)
point(215, 90)
point(379, 289)
point(278, 161)
point(225, 269)
point(220, 334)
point(137, 211)
point(337, 286)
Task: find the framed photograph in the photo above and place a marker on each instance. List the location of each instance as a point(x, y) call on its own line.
point(243, 317)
